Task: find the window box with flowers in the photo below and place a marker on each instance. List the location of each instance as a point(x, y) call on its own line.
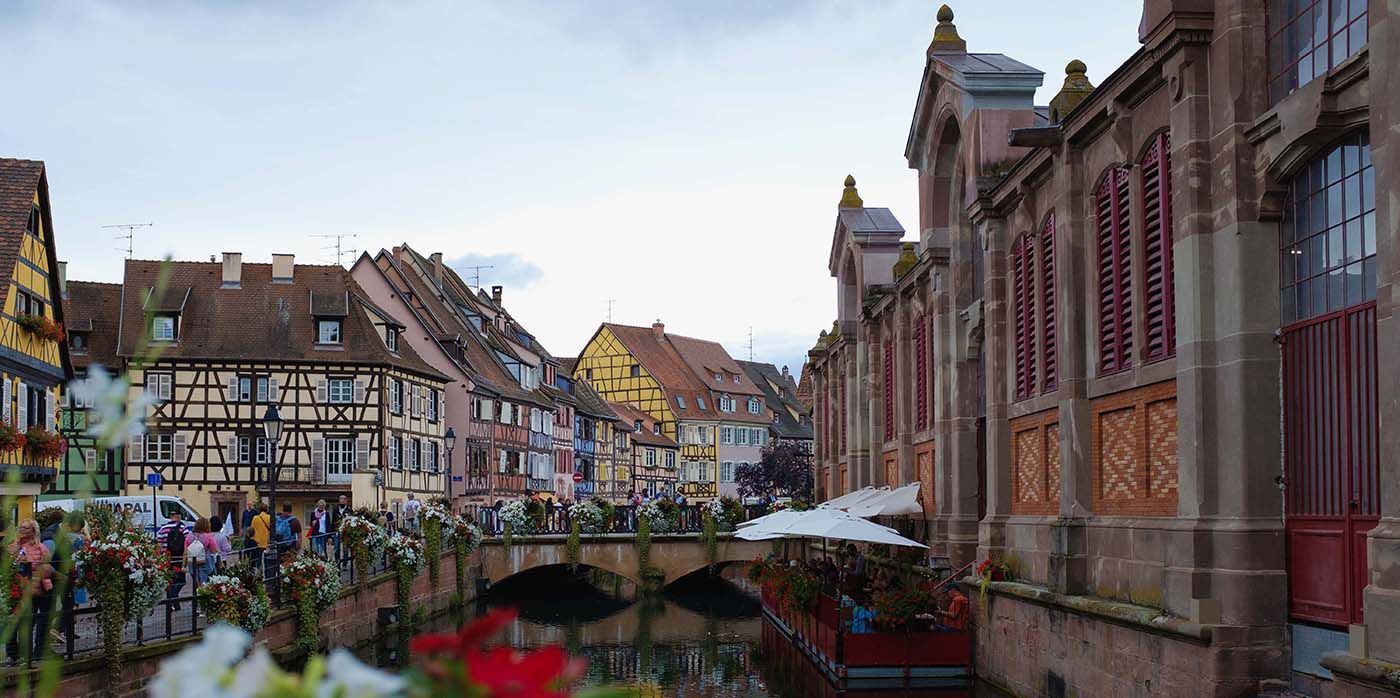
point(11, 439)
point(41, 444)
point(41, 327)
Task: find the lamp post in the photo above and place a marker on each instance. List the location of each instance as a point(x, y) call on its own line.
point(272, 429)
point(450, 441)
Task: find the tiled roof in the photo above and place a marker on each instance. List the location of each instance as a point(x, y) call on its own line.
point(94, 309)
point(19, 181)
point(589, 401)
point(780, 399)
point(259, 320)
point(666, 366)
point(647, 437)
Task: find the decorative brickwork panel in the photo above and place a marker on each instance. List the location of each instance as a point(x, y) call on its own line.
point(1035, 463)
point(923, 462)
point(892, 468)
point(1135, 452)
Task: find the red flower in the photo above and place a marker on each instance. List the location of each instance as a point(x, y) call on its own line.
point(465, 641)
point(545, 673)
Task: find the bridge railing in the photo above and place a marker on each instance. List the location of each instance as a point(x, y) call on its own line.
point(557, 520)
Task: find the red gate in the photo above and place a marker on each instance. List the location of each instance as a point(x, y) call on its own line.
point(1333, 486)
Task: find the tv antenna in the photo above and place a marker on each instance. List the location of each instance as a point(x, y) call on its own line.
point(340, 250)
point(750, 342)
point(130, 235)
point(476, 273)
point(611, 303)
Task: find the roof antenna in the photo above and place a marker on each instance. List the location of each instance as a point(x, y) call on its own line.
point(339, 251)
point(611, 302)
point(750, 342)
point(130, 235)
point(476, 273)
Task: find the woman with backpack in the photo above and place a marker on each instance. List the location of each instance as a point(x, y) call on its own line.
point(32, 566)
point(201, 551)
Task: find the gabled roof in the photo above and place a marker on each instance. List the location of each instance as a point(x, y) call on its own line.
point(20, 182)
point(589, 401)
point(93, 310)
point(259, 320)
point(780, 392)
point(647, 436)
point(670, 371)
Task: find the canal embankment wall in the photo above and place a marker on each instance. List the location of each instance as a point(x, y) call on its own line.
point(353, 620)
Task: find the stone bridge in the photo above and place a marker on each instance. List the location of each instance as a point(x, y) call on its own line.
point(672, 556)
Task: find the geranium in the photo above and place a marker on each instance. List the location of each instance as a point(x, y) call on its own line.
point(435, 517)
point(127, 574)
point(361, 533)
point(516, 517)
point(462, 667)
point(41, 327)
point(895, 609)
point(232, 600)
point(405, 555)
point(659, 515)
point(313, 585)
point(43, 444)
point(589, 517)
point(466, 537)
point(726, 511)
point(11, 439)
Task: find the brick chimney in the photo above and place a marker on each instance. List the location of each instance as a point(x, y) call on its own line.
point(658, 329)
point(233, 270)
point(283, 266)
point(496, 295)
point(437, 268)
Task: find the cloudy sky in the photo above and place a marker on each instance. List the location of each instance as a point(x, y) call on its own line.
point(682, 158)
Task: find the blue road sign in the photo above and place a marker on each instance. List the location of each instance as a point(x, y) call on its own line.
point(153, 479)
point(456, 478)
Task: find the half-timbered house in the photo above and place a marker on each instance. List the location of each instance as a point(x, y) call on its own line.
point(594, 422)
point(654, 455)
point(92, 312)
point(34, 360)
point(790, 421)
point(217, 345)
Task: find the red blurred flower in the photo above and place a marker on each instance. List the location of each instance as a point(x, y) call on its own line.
point(507, 673)
point(465, 641)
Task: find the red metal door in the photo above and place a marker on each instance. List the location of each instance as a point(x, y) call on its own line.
point(1333, 485)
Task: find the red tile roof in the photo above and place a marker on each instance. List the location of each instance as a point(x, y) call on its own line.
point(259, 320)
point(93, 310)
point(666, 366)
point(631, 415)
point(19, 181)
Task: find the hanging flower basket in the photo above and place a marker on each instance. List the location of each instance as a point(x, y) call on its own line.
point(42, 444)
point(41, 327)
point(11, 439)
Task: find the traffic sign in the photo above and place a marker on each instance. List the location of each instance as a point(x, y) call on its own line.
point(456, 478)
point(578, 477)
point(153, 479)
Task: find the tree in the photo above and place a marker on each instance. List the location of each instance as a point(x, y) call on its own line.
point(786, 470)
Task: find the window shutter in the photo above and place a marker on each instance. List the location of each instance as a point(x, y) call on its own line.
point(322, 391)
point(318, 460)
point(362, 452)
point(1050, 369)
point(134, 446)
point(1115, 283)
point(272, 394)
point(49, 407)
point(1159, 321)
point(8, 397)
point(152, 385)
point(232, 394)
point(360, 391)
point(22, 422)
point(178, 450)
point(231, 450)
point(1022, 282)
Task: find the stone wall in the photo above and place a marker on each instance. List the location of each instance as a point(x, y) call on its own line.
point(351, 621)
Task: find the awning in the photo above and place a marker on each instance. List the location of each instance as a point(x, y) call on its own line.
point(896, 502)
point(827, 523)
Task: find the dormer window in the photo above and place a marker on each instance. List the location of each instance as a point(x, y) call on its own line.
point(164, 328)
point(391, 339)
point(736, 378)
point(637, 425)
point(701, 402)
point(755, 405)
point(718, 377)
point(78, 342)
point(680, 401)
point(656, 428)
point(328, 332)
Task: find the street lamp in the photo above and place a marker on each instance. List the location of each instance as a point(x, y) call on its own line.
point(272, 429)
point(449, 440)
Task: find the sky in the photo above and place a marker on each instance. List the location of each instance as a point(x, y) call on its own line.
point(682, 159)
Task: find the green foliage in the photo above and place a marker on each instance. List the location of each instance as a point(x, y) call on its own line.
point(506, 536)
point(643, 544)
point(432, 548)
point(572, 545)
point(710, 537)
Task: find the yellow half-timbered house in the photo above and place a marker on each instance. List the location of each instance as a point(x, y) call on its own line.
point(217, 344)
point(33, 358)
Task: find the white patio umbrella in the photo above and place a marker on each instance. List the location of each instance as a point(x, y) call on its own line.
point(773, 520)
point(851, 498)
point(903, 500)
point(757, 533)
point(830, 523)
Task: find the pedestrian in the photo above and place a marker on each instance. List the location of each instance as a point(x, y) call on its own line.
point(680, 498)
point(287, 531)
point(32, 569)
point(172, 538)
point(201, 551)
point(410, 513)
point(386, 517)
point(65, 565)
point(223, 546)
point(260, 532)
point(250, 510)
point(338, 514)
point(319, 529)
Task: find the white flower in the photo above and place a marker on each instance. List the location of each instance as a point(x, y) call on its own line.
point(117, 416)
point(252, 675)
point(348, 677)
point(199, 669)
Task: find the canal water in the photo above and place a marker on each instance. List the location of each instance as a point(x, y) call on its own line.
point(703, 636)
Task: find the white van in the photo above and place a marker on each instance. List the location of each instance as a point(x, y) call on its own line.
point(139, 507)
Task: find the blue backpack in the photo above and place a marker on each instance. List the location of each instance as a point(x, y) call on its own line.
point(282, 532)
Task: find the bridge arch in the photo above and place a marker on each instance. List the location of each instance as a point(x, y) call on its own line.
point(673, 556)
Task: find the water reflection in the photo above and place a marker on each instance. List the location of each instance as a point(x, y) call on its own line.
point(703, 637)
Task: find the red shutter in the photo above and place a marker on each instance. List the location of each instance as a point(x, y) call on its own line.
point(921, 372)
point(1115, 284)
point(1050, 372)
point(1023, 281)
point(889, 389)
point(1158, 291)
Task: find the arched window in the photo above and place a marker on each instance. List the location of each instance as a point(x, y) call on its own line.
point(1050, 363)
point(1023, 305)
point(1115, 272)
point(1158, 286)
